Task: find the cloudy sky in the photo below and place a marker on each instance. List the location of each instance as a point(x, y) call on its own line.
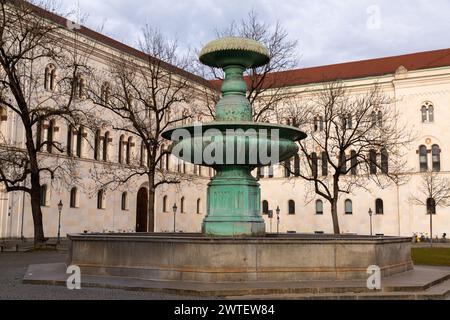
point(328, 31)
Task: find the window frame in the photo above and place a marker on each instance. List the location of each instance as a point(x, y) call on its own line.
point(348, 212)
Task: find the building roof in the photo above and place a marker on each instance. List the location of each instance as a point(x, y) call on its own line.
point(115, 44)
point(361, 69)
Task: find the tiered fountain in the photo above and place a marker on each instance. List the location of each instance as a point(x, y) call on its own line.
point(234, 194)
point(233, 246)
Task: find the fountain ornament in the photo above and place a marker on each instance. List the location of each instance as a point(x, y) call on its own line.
point(233, 144)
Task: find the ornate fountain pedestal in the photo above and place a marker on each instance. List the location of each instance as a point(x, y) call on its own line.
point(234, 205)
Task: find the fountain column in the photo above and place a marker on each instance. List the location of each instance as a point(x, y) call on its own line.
point(234, 195)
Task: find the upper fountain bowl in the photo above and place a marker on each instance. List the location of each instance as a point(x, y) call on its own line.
point(234, 51)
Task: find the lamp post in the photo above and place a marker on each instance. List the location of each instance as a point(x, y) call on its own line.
point(430, 212)
point(174, 208)
point(370, 216)
point(60, 207)
point(278, 219)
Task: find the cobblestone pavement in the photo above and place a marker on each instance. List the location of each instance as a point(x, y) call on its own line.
point(13, 266)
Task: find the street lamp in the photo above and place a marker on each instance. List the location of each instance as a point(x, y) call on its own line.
point(60, 207)
point(174, 208)
point(278, 219)
point(430, 212)
point(370, 215)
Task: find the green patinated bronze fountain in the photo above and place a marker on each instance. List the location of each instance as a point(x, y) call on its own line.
point(233, 199)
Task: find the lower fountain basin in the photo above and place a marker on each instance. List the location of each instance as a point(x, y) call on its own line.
point(234, 143)
point(281, 258)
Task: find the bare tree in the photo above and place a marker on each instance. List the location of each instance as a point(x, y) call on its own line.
point(263, 91)
point(356, 138)
point(432, 192)
point(145, 99)
point(36, 83)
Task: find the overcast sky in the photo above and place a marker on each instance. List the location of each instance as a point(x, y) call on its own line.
point(328, 31)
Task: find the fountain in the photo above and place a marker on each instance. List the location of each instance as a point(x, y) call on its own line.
point(234, 194)
point(233, 246)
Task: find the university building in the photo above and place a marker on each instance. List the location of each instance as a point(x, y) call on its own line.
point(419, 84)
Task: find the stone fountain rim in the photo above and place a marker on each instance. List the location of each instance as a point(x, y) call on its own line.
point(270, 238)
point(236, 125)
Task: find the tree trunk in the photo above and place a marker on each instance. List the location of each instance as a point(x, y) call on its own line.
point(35, 192)
point(151, 204)
point(36, 212)
point(334, 215)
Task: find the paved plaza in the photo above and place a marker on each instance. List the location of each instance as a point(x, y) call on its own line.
point(13, 266)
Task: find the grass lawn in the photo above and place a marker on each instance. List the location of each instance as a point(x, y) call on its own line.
point(431, 256)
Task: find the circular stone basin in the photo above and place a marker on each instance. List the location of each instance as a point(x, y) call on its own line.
point(280, 258)
point(234, 143)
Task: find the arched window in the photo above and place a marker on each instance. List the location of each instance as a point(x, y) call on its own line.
point(343, 163)
point(377, 118)
point(424, 114)
point(143, 158)
point(287, 168)
point(97, 145)
point(319, 207)
point(50, 132)
point(128, 150)
point(348, 206)
point(78, 87)
point(44, 195)
point(162, 156)
point(324, 164)
point(80, 141)
point(436, 158)
point(199, 206)
point(349, 121)
point(265, 207)
point(100, 199)
point(164, 204)
point(106, 92)
point(374, 118)
point(384, 161)
point(297, 165)
point(373, 161)
point(74, 198)
point(3, 114)
point(379, 206)
point(431, 206)
point(354, 163)
point(121, 143)
point(427, 111)
point(50, 77)
point(316, 124)
point(105, 146)
point(423, 158)
point(291, 207)
point(69, 140)
point(182, 206)
point(314, 164)
point(124, 202)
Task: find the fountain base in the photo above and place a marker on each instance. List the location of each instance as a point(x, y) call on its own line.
point(234, 198)
point(278, 258)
